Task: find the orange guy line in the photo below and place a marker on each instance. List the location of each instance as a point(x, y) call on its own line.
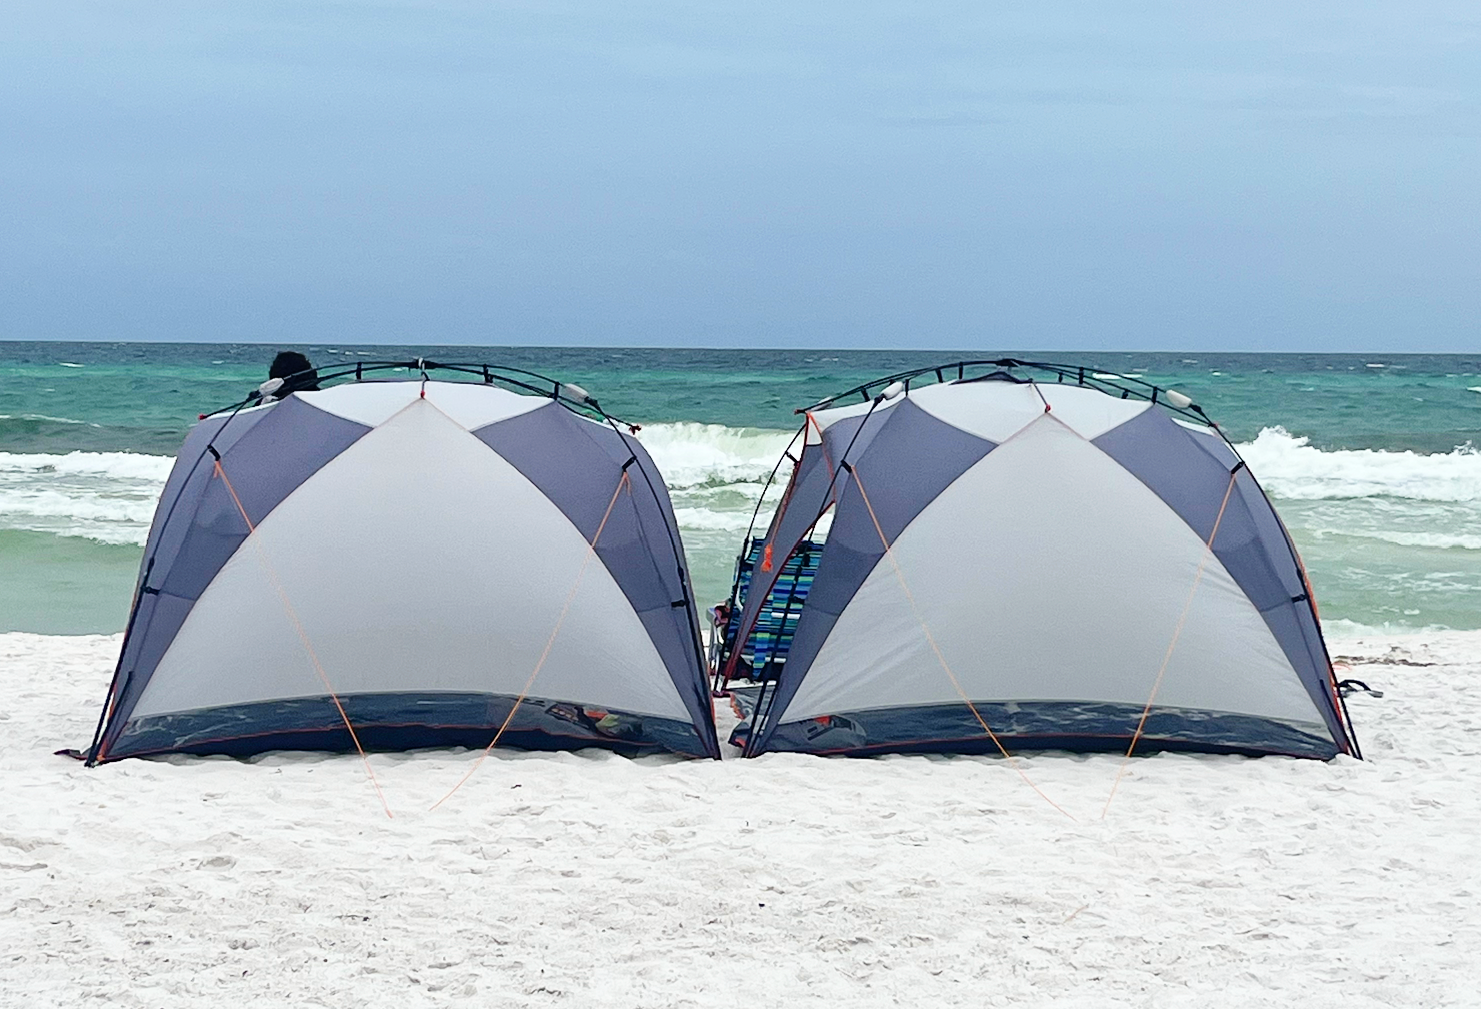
point(549, 643)
point(302, 634)
point(931, 640)
point(1208, 550)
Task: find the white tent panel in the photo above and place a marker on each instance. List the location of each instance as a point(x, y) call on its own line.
point(417, 560)
point(1048, 572)
point(998, 410)
point(470, 404)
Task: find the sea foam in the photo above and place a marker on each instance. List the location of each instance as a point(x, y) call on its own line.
point(716, 474)
point(117, 465)
point(692, 455)
point(104, 496)
point(1290, 467)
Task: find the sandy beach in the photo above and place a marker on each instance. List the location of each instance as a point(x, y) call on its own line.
point(586, 879)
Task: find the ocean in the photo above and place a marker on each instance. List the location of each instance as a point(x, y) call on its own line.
point(1370, 459)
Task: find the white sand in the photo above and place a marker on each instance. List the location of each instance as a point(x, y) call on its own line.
point(593, 880)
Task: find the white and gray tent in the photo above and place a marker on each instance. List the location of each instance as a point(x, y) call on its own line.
point(1025, 555)
point(414, 563)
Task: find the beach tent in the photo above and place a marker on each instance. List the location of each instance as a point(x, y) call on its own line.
point(1034, 556)
point(402, 564)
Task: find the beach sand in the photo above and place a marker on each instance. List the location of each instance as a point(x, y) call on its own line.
point(592, 880)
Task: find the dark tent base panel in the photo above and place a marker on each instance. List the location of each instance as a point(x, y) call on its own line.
point(1045, 725)
point(393, 722)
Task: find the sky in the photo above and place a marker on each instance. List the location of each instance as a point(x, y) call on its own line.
point(1067, 175)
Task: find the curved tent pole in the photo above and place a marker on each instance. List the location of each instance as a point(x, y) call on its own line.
point(111, 697)
point(1340, 702)
point(117, 683)
point(1086, 376)
point(758, 715)
point(835, 469)
point(691, 605)
point(763, 709)
point(568, 394)
point(718, 686)
point(786, 454)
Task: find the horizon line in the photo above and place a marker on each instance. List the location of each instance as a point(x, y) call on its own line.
point(330, 344)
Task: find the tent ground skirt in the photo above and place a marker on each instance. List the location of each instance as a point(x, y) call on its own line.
point(1086, 727)
point(403, 721)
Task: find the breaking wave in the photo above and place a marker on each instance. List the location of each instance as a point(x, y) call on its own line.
point(114, 465)
point(1290, 468)
point(713, 520)
point(691, 455)
point(104, 496)
point(36, 417)
point(716, 473)
point(1427, 540)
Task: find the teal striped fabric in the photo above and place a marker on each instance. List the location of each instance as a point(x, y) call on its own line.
point(768, 643)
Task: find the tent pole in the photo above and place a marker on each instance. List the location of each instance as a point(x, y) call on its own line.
point(755, 717)
point(110, 699)
point(786, 613)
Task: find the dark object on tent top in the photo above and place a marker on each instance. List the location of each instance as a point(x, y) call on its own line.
point(520, 380)
point(296, 371)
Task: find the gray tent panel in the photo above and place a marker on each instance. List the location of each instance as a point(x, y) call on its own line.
point(909, 462)
point(816, 482)
point(565, 456)
point(1251, 542)
point(1213, 445)
point(1300, 609)
point(265, 454)
point(192, 469)
point(289, 445)
point(900, 478)
point(1164, 456)
point(808, 492)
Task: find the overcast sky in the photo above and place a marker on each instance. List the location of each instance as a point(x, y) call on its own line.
point(1251, 176)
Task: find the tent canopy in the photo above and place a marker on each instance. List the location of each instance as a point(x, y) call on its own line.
point(1038, 556)
point(428, 563)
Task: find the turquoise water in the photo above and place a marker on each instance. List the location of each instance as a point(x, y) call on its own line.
point(1368, 458)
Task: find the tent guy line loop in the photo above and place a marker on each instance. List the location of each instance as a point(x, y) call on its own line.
point(931, 640)
point(622, 484)
point(1208, 551)
point(303, 637)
